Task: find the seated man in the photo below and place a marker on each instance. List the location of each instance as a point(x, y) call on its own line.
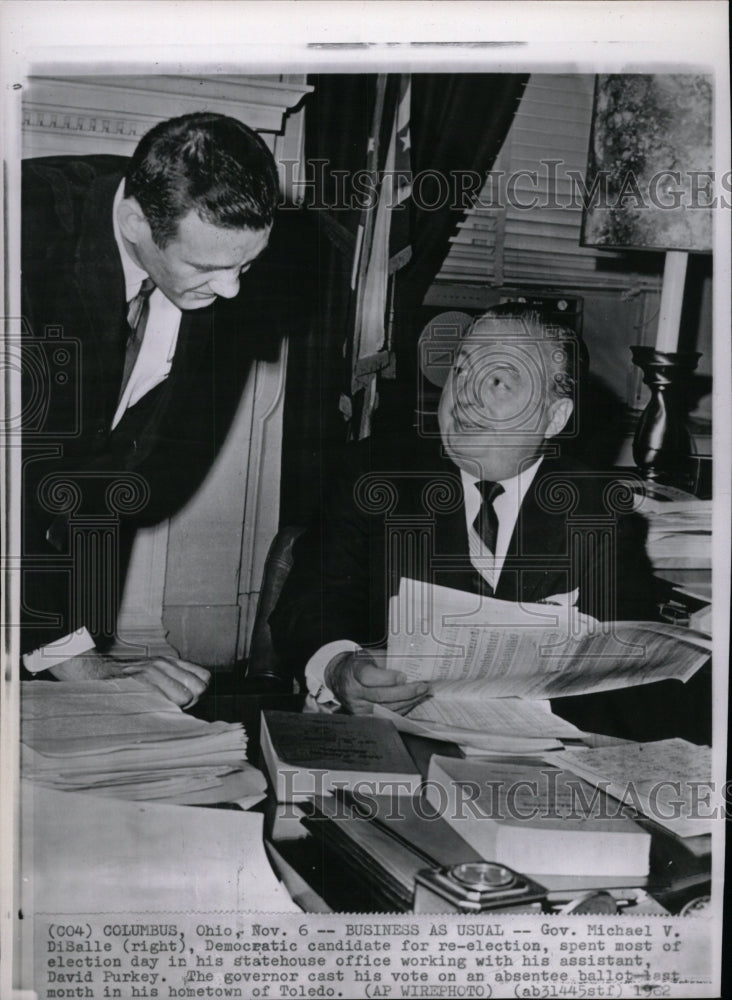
point(489, 507)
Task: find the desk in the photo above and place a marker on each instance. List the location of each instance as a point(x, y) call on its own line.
point(676, 876)
point(231, 698)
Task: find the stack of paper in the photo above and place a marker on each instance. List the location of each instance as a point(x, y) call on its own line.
point(668, 781)
point(121, 738)
point(504, 726)
point(679, 533)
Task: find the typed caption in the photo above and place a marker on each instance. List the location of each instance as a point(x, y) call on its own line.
point(324, 956)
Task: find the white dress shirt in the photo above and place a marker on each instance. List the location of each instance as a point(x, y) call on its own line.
point(155, 358)
point(506, 506)
point(152, 366)
point(488, 564)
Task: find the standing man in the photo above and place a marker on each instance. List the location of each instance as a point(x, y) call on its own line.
point(131, 272)
point(488, 506)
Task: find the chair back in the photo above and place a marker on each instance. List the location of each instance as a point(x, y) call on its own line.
point(263, 662)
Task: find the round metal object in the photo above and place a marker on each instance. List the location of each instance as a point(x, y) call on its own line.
point(483, 875)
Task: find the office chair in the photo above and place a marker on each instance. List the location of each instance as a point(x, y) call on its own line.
point(264, 671)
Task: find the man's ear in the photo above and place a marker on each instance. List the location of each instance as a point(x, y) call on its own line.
point(559, 413)
point(132, 222)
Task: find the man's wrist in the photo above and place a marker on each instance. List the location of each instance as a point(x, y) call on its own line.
point(318, 667)
point(55, 653)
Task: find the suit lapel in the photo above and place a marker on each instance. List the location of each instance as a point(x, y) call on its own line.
point(536, 564)
point(451, 566)
point(100, 284)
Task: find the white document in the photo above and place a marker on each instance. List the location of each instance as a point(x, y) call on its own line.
point(668, 779)
point(84, 854)
point(514, 717)
point(475, 740)
point(504, 649)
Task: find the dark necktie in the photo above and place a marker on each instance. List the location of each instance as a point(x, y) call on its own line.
point(138, 311)
point(486, 520)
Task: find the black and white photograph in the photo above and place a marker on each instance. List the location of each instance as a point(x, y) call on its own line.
point(365, 494)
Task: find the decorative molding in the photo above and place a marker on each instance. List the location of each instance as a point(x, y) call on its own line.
point(129, 106)
point(64, 115)
point(45, 118)
point(273, 96)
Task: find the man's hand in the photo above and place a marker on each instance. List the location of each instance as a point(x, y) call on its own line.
point(179, 680)
point(359, 681)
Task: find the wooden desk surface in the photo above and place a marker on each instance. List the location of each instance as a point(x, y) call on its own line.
point(231, 698)
point(676, 877)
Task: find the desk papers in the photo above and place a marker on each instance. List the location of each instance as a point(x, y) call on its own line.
point(121, 738)
point(679, 532)
point(476, 647)
point(668, 781)
point(489, 725)
point(83, 854)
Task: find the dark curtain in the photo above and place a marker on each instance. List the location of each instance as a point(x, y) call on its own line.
point(458, 124)
point(337, 119)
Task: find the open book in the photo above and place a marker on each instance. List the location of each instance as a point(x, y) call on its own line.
point(476, 647)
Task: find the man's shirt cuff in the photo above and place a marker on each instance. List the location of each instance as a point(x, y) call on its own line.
point(315, 670)
point(56, 652)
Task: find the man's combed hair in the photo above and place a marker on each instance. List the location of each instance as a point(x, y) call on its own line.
point(206, 163)
point(564, 350)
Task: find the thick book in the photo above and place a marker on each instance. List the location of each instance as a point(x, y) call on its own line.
point(537, 820)
point(308, 755)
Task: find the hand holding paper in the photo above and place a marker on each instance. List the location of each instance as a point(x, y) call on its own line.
point(502, 649)
point(360, 681)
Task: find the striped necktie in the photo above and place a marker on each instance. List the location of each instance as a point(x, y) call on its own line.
point(486, 520)
point(138, 311)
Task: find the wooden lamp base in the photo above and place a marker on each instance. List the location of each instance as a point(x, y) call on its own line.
point(663, 446)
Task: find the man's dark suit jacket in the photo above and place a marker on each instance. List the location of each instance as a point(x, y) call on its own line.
point(399, 511)
point(74, 311)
